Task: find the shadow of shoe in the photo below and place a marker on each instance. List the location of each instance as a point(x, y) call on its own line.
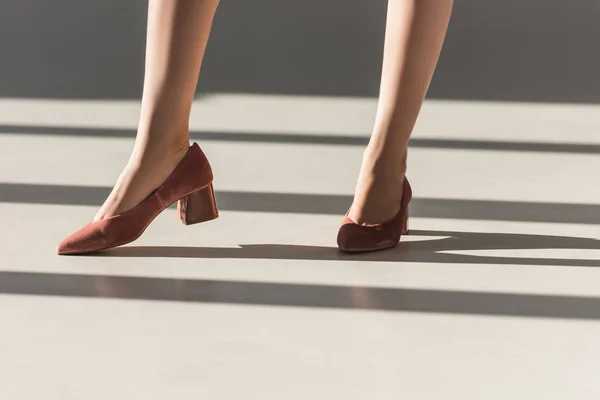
point(437, 250)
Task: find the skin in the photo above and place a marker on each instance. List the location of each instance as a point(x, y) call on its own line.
point(415, 32)
point(178, 32)
point(176, 38)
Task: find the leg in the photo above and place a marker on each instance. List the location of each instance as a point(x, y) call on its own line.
point(178, 31)
point(414, 35)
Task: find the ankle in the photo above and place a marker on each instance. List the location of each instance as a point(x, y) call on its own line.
point(162, 135)
point(151, 151)
point(385, 164)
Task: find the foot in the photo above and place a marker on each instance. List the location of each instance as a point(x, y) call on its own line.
point(146, 170)
point(379, 189)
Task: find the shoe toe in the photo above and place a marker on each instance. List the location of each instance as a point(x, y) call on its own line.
point(86, 240)
point(358, 238)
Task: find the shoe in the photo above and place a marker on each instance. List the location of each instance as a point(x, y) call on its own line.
point(190, 184)
point(355, 238)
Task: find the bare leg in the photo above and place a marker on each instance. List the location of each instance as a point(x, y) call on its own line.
point(178, 31)
point(414, 35)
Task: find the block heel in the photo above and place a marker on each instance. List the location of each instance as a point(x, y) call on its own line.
point(200, 206)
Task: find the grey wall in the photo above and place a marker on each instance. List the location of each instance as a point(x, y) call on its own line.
point(528, 50)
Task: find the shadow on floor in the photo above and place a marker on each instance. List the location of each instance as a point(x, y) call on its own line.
point(323, 204)
point(300, 295)
point(323, 139)
point(317, 296)
point(421, 251)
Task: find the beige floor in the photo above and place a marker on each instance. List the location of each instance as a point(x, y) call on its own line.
point(496, 295)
